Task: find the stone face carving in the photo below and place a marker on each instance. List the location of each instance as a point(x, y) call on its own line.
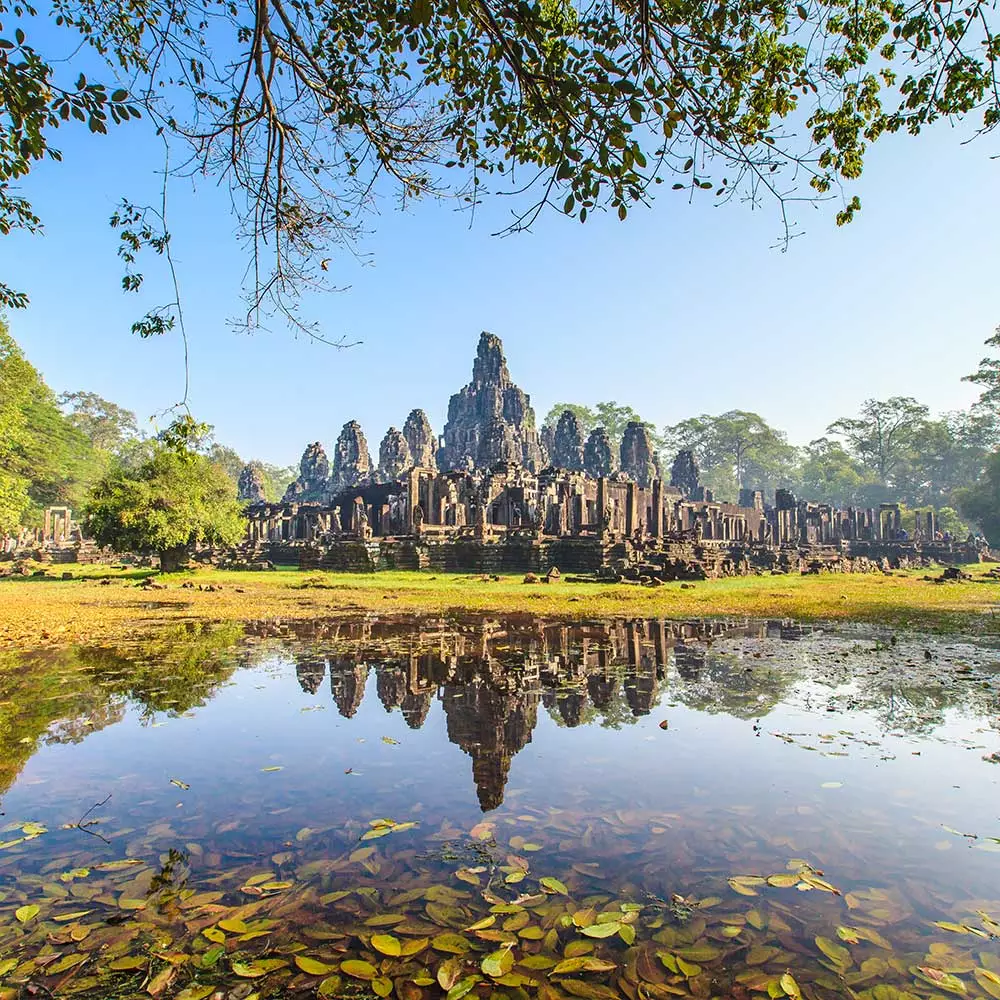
point(314, 471)
point(420, 439)
point(599, 457)
point(491, 419)
point(638, 459)
point(352, 464)
point(684, 473)
point(567, 443)
point(250, 486)
point(547, 440)
point(393, 456)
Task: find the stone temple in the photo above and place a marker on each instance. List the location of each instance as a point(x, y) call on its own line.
point(491, 495)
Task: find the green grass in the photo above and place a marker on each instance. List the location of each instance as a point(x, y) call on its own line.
point(53, 610)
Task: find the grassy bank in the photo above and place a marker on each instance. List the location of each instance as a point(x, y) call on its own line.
point(36, 611)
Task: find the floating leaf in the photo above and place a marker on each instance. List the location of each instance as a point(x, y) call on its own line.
point(247, 970)
point(790, 986)
point(783, 880)
point(129, 962)
point(387, 945)
point(183, 785)
point(553, 885)
point(498, 963)
point(462, 987)
point(195, 993)
point(454, 943)
point(837, 954)
point(382, 986)
point(585, 963)
point(358, 969)
point(26, 913)
point(605, 930)
point(311, 967)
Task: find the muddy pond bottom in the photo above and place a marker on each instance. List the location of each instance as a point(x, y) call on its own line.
point(503, 808)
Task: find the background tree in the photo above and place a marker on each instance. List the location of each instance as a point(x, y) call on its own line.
point(307, 110)
point(988, 376)
point(735, 449)
point(44, 459)
point(17, 379)
point(169, 505)
point(980, 502)
point(829, 474)
point(883, 434)
point(106, 425)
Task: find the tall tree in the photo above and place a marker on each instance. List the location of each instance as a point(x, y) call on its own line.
point(980, 501)
point(107, 425)
point(735, 449)
point(306, 109)
point(988, 375)
point(17, 381)
point(44, 459)
point(883, 434)
point(829, 474)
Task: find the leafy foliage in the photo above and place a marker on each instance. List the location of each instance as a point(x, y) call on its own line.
point(107, 426)
point(736, 449)
point(44, 457)
point(308, 109)
point(882, 433)
point(172, 501)
point(981, 500)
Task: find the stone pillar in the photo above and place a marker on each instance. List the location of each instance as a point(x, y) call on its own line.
point(48, 524)
point(656, 522)
point(602, 503)
point(631, 514)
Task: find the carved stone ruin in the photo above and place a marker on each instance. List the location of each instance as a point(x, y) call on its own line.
point(638, 457)
point(599, 458)
point(490, 421)
point(394, 456)
point(567, 443)
point(420, 440)
point(250, 486)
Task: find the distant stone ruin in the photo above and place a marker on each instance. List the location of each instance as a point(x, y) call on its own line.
point(492, 495)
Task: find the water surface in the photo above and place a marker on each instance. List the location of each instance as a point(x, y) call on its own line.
point(491, 807)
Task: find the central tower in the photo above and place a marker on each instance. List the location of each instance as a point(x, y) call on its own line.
point(491, 419)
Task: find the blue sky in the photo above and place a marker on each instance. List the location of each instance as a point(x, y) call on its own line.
point(682, 309)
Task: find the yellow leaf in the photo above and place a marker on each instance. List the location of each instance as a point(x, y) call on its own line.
point(358, 969)
point(26, 913)
point(790, 986)
point(387, 945)
point(311, 967)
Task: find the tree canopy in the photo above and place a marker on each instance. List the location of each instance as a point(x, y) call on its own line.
point(45, 458)
point(170, 504)
point(310, 110)
point(735, 449)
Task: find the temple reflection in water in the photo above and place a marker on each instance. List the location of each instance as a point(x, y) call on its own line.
point(491, 677)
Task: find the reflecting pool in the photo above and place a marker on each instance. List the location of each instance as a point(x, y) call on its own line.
point(503, 807)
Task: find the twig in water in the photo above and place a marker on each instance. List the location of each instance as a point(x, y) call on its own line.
point(85, 827)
